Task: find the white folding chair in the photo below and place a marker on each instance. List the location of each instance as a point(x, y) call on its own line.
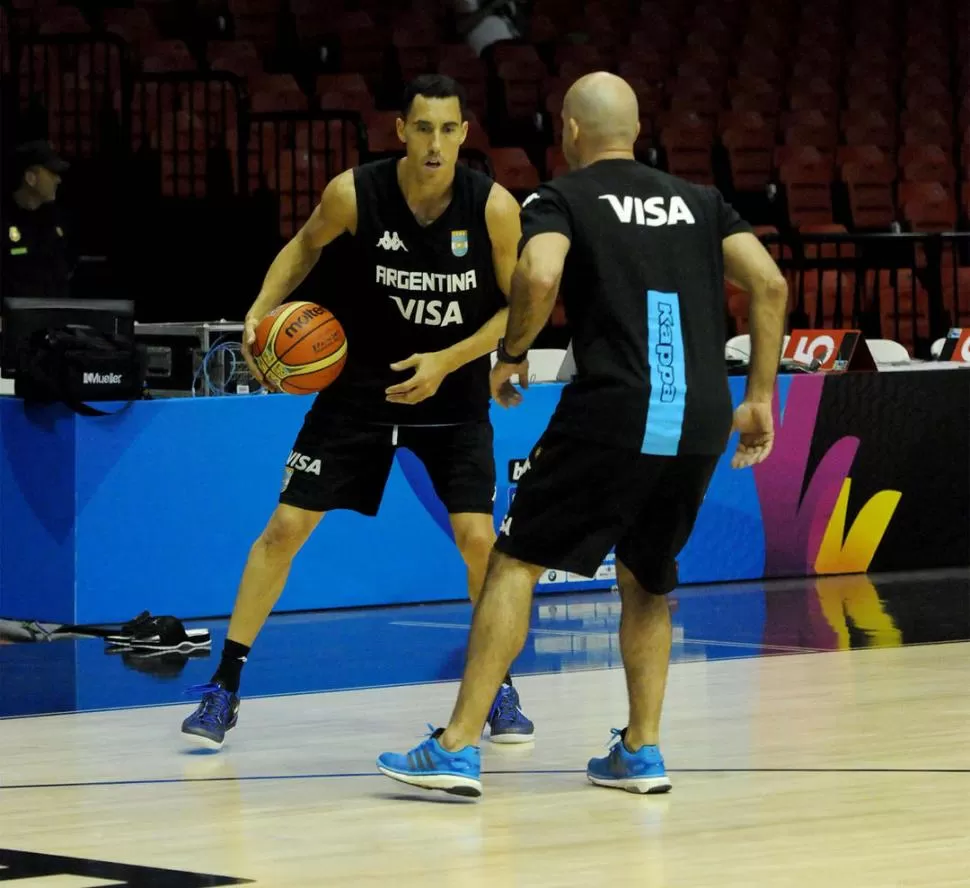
point(888, 351)
point(739, 347)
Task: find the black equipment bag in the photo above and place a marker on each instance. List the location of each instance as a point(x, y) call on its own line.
point(77, 363)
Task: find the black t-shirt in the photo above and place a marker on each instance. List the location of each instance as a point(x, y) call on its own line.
point(36, 258)
point(410, 289)
point(643, 287)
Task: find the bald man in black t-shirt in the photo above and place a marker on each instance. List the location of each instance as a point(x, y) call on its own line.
point(640, 259)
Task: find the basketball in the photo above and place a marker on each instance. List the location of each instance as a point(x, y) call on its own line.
point(300, 347)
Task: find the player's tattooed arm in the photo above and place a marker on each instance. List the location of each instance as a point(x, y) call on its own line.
point(335, 214)
point(535, 285)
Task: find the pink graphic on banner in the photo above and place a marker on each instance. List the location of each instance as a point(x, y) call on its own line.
point(794, 524)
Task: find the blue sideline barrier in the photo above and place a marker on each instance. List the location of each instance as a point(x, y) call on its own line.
point(157, 507)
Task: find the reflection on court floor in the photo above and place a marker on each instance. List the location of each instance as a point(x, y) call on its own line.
point(815, 733)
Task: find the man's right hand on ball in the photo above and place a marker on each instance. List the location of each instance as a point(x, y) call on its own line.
point(248, 341)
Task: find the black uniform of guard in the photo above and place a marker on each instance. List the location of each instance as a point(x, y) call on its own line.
point(37, 260)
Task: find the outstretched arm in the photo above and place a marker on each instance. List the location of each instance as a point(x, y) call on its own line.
point(534, 288)
point(335, 214)
point(547, 236)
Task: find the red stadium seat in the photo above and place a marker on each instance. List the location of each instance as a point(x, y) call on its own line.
point(417, 48)
point(460, 62)
point(688, 140)
point(750, 141)
point(901, 297)
point(237, 56)
point(807, 183)
point(382, 135)
point(927, 163)
point(63, 20)
point(134, 26)
point(870, 189)
point(522, 73)
point(168, 55)
point(938, 213)
point(513, 169)
point(828, 295)
point(276, 92)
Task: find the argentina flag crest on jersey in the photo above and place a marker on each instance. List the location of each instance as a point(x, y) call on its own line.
point(459, 243)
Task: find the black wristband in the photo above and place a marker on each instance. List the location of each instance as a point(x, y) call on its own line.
point(504, 357)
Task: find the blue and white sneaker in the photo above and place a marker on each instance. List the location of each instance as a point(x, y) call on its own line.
point(431, 766)
point(217, 713)
point(506, 721)
point(641, 771)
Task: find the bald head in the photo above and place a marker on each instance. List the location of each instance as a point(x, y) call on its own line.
point(605, 109)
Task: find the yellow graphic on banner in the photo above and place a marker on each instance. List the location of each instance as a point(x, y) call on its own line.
point(853, 552)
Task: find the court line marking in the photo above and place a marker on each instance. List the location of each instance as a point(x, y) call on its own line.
point(599, 632)
point(158, 781)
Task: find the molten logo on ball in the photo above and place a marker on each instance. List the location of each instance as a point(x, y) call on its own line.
point(301, 347)
point(307, 315)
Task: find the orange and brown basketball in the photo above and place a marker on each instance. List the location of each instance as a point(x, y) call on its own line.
point(300, 347)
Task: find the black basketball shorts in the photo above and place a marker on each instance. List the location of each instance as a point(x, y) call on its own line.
point(578, 499)
point(341, 463)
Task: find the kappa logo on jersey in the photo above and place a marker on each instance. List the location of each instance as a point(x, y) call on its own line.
point(391, 242)
point(650, 212)
point(459, 243)
point(505, 528)
point(299, 462)
point(665, 352)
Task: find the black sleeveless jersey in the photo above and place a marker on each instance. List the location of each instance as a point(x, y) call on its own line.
point(403, 288)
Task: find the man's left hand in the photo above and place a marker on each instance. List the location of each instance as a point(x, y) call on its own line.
point(500, 382)
point(429, 372)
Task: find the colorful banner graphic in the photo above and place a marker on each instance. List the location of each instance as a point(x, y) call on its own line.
point(870, 472)
point(157, 507)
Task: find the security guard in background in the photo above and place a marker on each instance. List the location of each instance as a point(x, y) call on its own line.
point(36, 259)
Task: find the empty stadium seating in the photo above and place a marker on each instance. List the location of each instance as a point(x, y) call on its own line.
point(853, 116)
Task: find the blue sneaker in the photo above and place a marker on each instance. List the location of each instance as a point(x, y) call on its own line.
point(217, 713)
point(430, 766)
point(641, 771)
point(507, 722)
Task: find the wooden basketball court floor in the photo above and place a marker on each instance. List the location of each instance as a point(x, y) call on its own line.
point(793, 765)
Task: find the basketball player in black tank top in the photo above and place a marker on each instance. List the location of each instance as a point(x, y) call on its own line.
point(428, 265)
